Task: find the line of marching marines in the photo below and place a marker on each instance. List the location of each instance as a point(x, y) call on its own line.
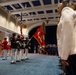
point(18, 46)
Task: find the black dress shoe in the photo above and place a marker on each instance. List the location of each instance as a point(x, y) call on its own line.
point(63, 74)
point(26, 58)
point(22, 59)
point(17, 60)
point(4, 59)
point(12, 63)
point(60, 65)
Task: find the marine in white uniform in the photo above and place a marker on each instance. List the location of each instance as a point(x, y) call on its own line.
point(66, 36)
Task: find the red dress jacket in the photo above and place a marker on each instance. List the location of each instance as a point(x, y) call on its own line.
point(4, 44)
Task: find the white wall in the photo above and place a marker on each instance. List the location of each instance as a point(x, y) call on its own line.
point(8, 21)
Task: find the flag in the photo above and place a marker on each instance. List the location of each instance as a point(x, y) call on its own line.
point(21, 28)
point(39, 36)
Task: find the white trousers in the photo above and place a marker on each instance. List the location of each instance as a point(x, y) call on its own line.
point(5, 53)
point(13, 55)
point(22, 54)
point(26, 52)
point(17, 54)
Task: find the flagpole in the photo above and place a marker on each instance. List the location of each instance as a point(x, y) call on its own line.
point(30, 40)
point(44, 32)
point(21, 26)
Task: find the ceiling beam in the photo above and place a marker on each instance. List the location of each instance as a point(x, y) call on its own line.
point(34, 9)
point(41, 2)
point(38, 21)
point(39, 16)
point(14, 2)
point(21, 6)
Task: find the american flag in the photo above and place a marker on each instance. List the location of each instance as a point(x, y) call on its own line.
point(21, 24)
point(21, 27)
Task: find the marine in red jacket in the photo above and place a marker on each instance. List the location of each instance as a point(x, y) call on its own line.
point(5, 48)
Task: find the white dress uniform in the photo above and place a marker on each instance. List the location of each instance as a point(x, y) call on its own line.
point(66, 39)
point(66, 33)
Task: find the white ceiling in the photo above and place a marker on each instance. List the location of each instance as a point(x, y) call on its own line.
point(32, 10)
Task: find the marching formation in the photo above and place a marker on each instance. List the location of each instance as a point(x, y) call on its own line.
point(18, 48)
